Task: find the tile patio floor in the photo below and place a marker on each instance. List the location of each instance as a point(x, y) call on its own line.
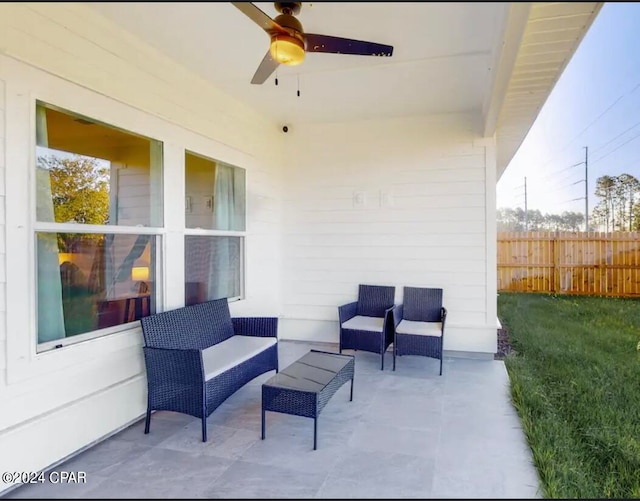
point(407, 434)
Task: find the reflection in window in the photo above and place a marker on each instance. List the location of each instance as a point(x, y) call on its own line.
point(215, 194)
point(89, 173)
point(103, 280)
point(215, 202)
point(78, 188)
point(213, 268)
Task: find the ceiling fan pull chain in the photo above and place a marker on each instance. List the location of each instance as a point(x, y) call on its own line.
point(289, 43)
point(298, 84)
point(276, 67)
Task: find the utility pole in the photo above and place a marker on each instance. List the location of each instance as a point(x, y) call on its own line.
point(526, 213)
point(630, 207)
point(586, 189)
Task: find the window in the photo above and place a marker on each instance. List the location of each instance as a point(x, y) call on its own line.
point(215, 222)
point(98, 214)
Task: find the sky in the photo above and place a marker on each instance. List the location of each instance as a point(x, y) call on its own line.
point(595, 103)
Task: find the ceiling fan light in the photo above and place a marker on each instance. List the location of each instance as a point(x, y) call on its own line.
point(287, 49)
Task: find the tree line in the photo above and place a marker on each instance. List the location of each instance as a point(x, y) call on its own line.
point(617, 208)
point(516, 220)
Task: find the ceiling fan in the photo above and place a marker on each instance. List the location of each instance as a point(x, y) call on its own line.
point(289, 42)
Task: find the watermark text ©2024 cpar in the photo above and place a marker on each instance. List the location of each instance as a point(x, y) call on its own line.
point(40, 477)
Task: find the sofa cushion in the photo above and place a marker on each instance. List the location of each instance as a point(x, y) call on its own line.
point(361, 323)
point(420, 328)
point(233, 351)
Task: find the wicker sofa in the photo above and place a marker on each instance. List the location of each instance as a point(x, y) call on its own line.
point(197, 356)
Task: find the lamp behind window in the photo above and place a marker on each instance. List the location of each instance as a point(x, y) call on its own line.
point(140, 275)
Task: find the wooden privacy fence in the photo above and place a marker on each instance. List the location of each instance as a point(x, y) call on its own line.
point(599, 264)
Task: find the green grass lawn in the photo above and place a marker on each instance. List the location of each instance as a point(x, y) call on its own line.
point(575, 380)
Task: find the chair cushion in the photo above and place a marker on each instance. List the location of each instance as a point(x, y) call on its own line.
point(361, 323)
point(225, 355)
point(420, 328)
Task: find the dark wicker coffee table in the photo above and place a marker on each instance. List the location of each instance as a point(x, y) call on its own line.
point(305, 387)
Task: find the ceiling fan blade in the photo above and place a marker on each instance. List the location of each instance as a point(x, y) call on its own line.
point(337, 45)
point(258, 17)
point(266, 68)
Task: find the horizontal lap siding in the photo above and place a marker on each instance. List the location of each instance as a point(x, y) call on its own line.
point(352, 276)
point(432, 234)
point(3, 250)
point(72, 43)
point(77, 44)
point(458, 241)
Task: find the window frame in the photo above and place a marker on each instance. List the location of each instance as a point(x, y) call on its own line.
point(105, 331)
point(202, 232)
point(23, 86)
point(54, 227)
point(27, 86)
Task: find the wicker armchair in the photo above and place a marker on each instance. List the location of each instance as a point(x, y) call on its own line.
point(366, 324)
point(419, 324)
point(197, 356)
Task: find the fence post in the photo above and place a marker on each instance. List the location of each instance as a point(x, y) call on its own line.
point(554, 260)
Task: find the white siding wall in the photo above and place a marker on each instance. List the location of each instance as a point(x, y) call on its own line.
point(438, 230)
point(427, 184)
point(57, 402)
point(3, 248)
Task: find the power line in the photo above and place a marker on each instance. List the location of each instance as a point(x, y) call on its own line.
point(563, 170)
point(584, 180)
point(565, 179)
point(572, 200)
point(586, 188)
point(622, 96)
point(613, 139)
point(557, 191)
point(549, 176)
point(615, 149)
point(562, 186)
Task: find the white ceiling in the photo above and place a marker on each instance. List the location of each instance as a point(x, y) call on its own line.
point(444, 55)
